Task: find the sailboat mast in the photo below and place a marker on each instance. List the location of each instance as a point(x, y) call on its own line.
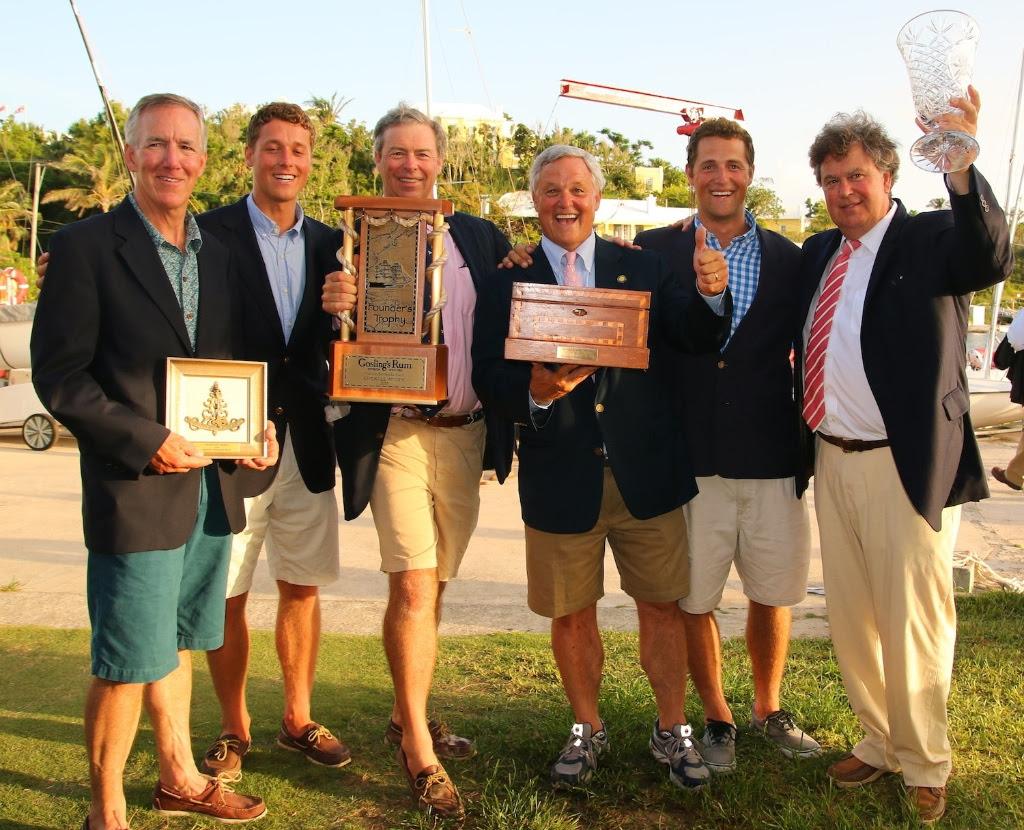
point(114, 130)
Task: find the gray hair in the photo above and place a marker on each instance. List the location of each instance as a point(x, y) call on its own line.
point(844, 130)
point(560, 151)
point(404, 114)
point(162, 99)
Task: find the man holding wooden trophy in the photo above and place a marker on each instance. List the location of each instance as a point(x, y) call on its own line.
point(416, 439)
point(601, 457)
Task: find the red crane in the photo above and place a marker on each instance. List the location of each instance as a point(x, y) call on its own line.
point(692, 112)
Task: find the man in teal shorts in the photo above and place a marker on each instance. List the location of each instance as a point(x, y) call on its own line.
point(124, 291)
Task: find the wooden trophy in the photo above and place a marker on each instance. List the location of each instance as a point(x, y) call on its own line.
point(388, 360)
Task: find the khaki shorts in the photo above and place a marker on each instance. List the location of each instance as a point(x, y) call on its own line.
point(426, 497)
point(300, 529)
point(565, 571)
point(760, 525)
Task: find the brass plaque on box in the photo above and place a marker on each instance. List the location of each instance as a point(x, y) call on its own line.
point(586, 326)
point(388, 360)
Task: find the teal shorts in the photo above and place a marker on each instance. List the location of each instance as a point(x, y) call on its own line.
point(145, 607)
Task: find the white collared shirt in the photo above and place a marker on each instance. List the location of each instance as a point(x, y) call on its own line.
point(850, 407)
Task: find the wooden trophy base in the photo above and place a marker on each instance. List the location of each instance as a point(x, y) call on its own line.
point(586, 326)
point(412, 373)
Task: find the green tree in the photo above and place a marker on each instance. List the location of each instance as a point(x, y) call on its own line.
point(938, 203)
point(762, 201)
point(15, 214)
point(817, 213)
point(326, 111)
point(102, 182)
point(226, 178)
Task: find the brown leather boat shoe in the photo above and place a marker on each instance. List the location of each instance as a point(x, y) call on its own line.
point(218, 801)
point(928, 802)
point(435, 793)
point(850, 771)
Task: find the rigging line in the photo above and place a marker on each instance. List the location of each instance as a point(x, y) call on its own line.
point(476, 55)
point(550, 116)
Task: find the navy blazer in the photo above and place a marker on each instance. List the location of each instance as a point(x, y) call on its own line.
point(296, 370)
point(737, 404)
point(629, 412)
point(912, 340)
point(359, 436)
point(106, 321)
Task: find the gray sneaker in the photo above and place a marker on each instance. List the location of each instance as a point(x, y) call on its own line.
point(780, 728)
point(718, 746)
point(685, 768)
point(578, 759)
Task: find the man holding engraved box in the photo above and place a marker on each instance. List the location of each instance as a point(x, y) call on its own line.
point(125, 291)
point(419, 469)
point(602, 459)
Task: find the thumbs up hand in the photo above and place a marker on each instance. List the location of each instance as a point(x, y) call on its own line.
point(709, 265)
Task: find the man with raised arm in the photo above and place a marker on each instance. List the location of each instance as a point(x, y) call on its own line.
point(891, 442)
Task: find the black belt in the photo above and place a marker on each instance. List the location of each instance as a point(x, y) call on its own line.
point(853, 444)
point(413, 413)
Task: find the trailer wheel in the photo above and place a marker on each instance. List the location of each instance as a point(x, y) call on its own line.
point(39, 432)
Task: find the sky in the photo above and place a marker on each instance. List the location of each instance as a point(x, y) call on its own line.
point(788, 66)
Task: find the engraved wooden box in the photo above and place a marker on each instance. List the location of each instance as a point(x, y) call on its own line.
point(585, 326)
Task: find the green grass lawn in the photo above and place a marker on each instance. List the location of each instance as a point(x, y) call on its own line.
point(503, 689)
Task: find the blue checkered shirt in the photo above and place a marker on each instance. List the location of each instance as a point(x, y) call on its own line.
point(743, 256)
point(181, 267)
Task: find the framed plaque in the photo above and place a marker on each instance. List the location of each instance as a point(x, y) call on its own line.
point(218, 405)
point(392, 352)
point(586, 326)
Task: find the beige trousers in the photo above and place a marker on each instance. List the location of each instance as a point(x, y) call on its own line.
point(889, 590)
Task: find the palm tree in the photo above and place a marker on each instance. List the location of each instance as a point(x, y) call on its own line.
point(105, 183)
point(327, 110)
point(14, 212)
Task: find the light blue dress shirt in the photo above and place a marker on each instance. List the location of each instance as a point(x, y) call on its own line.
point(584, 259)
point(284, 255)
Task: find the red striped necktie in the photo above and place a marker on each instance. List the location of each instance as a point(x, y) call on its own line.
point(817, 342)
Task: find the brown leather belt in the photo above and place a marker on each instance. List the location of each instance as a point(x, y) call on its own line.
point(852, 444)
point(413, 413)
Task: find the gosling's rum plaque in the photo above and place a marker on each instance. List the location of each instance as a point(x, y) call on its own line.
point(388, 360)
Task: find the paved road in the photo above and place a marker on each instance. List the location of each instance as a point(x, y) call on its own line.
point(42, 559)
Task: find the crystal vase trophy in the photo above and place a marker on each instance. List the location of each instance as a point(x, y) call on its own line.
point(938, 48)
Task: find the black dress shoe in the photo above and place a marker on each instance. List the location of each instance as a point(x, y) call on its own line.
point(999, 474)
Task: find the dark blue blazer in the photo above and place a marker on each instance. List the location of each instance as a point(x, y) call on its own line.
point(106, 321)
point(296, 370)
point(360, 435)
point(630, 412)
point(737, 404)
point(912, 340)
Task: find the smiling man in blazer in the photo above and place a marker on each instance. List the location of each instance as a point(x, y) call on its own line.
point(601, 459)
point(742, 426)
point(124, 291)
point(280, 257)
point(893, 449)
